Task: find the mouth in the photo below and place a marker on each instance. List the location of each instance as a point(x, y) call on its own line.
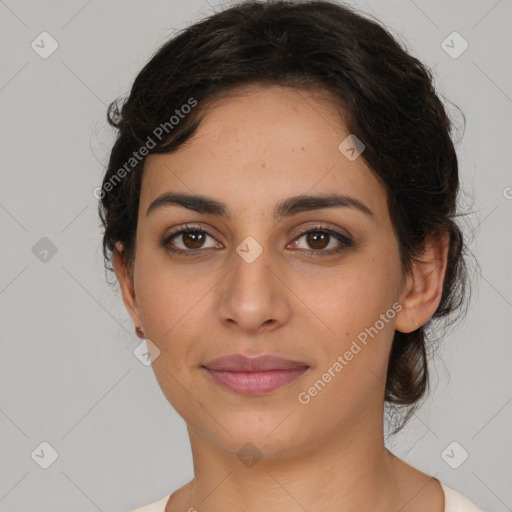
point(254, 375)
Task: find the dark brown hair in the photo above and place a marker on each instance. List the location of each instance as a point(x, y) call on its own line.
point(385, 95)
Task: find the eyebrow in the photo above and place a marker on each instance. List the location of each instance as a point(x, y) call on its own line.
point(286, 208)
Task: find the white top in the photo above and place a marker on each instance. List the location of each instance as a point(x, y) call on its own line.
point(454, 502)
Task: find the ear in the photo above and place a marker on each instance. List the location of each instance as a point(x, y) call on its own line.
point(125, 279)
point(423, 289)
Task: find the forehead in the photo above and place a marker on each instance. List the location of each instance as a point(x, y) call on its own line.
point(263, 142)
point(255, 114)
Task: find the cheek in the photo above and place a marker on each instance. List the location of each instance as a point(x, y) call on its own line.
point(355, 307)
point(352, 364)
point(175, 309)
point(349, 299)
point(166, 291)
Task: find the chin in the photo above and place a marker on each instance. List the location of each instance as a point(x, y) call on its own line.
point(264, 433)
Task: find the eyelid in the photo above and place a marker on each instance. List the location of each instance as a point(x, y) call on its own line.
point(325, 227)
point(192, 227)
point(185, 229)
point(345, 241)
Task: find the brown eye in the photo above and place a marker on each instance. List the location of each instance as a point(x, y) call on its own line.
point(193, 239)
point(321, 241)
point(317, 239)
point(188, 241)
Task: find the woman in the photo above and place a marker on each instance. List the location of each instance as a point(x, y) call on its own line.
point(279, 212)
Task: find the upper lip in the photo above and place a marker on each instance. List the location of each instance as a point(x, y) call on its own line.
point(242, 363)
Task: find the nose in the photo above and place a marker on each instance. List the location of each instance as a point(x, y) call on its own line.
point(253, 296)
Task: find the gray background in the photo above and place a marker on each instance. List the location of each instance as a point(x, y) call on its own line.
point(68, 375)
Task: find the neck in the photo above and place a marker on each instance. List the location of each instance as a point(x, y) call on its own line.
point(345, 471)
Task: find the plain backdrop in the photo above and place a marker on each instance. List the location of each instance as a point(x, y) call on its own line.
point(73, 396)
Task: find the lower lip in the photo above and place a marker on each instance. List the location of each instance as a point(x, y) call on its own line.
point(255, 383)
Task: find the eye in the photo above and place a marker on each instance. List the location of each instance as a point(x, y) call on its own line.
point(319, 238)
point(188, 240)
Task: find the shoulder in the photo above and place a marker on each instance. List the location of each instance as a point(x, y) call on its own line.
point(456, 502)
point(157, 506)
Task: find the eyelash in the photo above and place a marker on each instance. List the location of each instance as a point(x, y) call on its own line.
point(345, 242)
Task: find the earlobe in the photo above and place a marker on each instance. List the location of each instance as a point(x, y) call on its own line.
point(125, 279)
point(424, 285)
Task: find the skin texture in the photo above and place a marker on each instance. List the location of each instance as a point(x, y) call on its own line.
point(253, 150)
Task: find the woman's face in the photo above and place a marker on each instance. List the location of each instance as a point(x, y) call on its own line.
point(254, 285)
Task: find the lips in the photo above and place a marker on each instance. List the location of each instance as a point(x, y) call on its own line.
point(241, 363)
point(254, 375)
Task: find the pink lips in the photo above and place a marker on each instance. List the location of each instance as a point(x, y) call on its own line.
point(254, 375)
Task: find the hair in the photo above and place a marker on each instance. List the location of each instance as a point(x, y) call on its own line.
point(386, 97)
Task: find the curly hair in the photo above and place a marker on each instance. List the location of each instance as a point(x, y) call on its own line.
point(386, 98)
